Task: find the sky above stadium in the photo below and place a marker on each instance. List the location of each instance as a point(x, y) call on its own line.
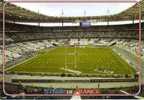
point(79, 9)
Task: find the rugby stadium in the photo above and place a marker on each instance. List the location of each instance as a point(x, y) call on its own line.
point(61, 57)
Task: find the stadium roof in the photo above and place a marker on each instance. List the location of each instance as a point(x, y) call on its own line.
point(133, 12)
point(15, 13)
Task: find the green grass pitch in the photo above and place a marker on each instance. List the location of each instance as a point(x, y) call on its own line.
point(86, 60)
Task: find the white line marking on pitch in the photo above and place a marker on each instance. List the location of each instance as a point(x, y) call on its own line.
point(19, 63)
point(70, 70)
point(25, 60)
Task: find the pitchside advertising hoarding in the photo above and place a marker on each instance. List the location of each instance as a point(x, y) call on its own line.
point(82, 91)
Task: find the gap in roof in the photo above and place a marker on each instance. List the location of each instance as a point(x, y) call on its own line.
point(76, 9)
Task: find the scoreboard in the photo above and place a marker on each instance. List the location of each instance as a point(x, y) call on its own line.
point(85, 23)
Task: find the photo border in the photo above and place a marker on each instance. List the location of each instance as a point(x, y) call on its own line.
point(73, 1)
